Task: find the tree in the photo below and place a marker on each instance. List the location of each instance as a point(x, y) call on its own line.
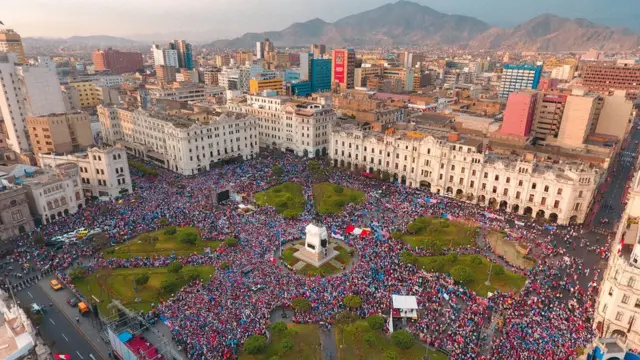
point(462, 274)
point(402, 339)
point(189, 238)
point(313, 167)
point(376, 322)
point(415, 227)
point(390, 355)
point(147, 238)
point(168, 286)
point(433, 246)
point(345, 317)
point(476, 260)
point(385, 176)
point(370, 339)
point(77, 274)
point(290, 214)
point(279, 327)
point(498, 270)
point(338, 189)
point(286, 344)
point(231, 242)
point(408, 257)
point(352, 301)
point(301, 304)
point(277, 171)
point(171, 230)
point(223, 265)
point(174, 267)
point(452, 257)
point(141, 279)
point(191, 274)
point(163, 221)
point(255, 344)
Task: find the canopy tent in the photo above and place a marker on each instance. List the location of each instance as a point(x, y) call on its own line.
point(405, 306)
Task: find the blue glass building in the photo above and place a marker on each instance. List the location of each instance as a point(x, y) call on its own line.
point(517, 77)
point(302, 88)
point(320, 75)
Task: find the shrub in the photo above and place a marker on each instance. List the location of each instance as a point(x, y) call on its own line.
point(274, 357)
point(452, 257)
point(171, 230)
point(281, 204)
point(231, 242)
point(462, 274)
point(498, 270)
point(279, 327)
point(390, 355)
point(301, 304)
point(402, 339)
point(255, 344)
point(432, 246)
point(396, 235)
point(444, 224)
point(352, 301)
point(191, 274)
point(277, 190)
point(168, 286)
point(338, 189)
point(370, 339)
point(286, 344)
point(163, 221)
point(147, 238)
point(290, 214)
point(223, 265)
point(415, 227)
point(476, 260)
point(189, 238)
point(174, 267)
point(77, 274)
point(339, 203)
point(141, 279)
point(408, 257)
point(376, 322)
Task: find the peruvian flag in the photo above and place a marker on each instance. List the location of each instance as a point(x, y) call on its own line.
point(62, 356)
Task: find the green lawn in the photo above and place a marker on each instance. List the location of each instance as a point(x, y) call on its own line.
point(506, 282)
point(330, 198)
point(309, 270)
point(285, 198)
point(356, 348)
point(118, 284)
point(165, 245)
point(444, 232)
point(307, 345)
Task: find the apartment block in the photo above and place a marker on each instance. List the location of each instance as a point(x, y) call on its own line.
point(606, 77)
point(517, 77)
point(116, 61)
point(11, 42)
point(15, 217)
point(257, 86)
point(519, 113)
point(581, 113)
point(61, 133)
point(548, 115)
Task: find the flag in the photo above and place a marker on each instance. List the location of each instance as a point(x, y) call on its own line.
point(62, 356)
point(365, 232)
point(350, 229)
point(621, 246)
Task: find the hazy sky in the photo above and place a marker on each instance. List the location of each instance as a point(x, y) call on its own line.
point(227, 18)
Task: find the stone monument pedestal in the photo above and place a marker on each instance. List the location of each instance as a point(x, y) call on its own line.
point(316, 251)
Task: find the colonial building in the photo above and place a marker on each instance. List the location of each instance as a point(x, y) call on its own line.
point(447, 163)
point(618, 305)
point(182, 142)
point(15, 217)
point(104, 171)
point(298, 126)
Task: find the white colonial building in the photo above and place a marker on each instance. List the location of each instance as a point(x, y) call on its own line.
point(446, 163)
point(303, 128)
point(617, 311)
point(103, 171)
point(182, 142)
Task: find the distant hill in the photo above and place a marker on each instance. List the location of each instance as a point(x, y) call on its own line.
point(409, 23)
point(79, 42)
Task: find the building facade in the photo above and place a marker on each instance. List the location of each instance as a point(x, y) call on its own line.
point(320, 75)
point(343, 64)
point(15, 218)
point(580, 117)
point(189, 92)
point(62, 133)
point(11, 42)
point(185, 144)
point(184, 53)
point(518, 116)
point(116, 61)
point(12, 104)
point(517, 77)
point(448, 164)
point(103, 171)
point(87, 95)
point(606, 77)
point(548, 115)
point(41, 89)
point(257, 86)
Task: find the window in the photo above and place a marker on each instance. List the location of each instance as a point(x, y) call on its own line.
point(473, 173)
point(533, 186)
point(631, 282)
point(577, 206)
point(462, 170)
point(546, 188)
point(496, 178)
point(637, 305)
point(519, 182)
point(531, 197)
point(17, 216)
point(453, 168)
point(580, 194)
point(494, 190)
point(556, 204)
point(505, 192)
point(517, 195)
point(560, 191)
point(625, 299)
point(604, 308)
point(611, 291)
point(619, 315)
point(617, 275)
point(471, 184)
point(543, 201)
point(486, 175)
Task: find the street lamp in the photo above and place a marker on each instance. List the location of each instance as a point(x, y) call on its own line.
point(488, 282)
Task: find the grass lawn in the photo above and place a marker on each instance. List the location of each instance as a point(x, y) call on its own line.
point(506, 282)
point(307, 345)
point(309, 270)
point(445, 232)
point(356, 348)
point(166, 245)
point(330, 198)
point(508, 250)
point(118, 284)
point(285, 198)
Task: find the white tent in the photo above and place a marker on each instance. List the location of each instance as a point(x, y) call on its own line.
point(405, 306)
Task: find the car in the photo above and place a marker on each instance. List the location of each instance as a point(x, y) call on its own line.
point(81, 234)
point(37, 309)
point(72, 301)
point(55, 284)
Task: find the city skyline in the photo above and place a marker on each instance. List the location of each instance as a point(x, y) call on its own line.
point(123, 19)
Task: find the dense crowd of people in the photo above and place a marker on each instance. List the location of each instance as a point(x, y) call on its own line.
point(549, 318)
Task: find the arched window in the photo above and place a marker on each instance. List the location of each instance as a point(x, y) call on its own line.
point(13, 203)
point(631, 282)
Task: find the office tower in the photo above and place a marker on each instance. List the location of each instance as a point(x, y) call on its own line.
point(165, 74)
point(12, 105)
point(268, 46)
point(343, 62)
point(164, 56)
point(517, 77)
point(518, 116)
point(11, 42)
point(158, 55)
point(318, 50)
point(259, 50)
point(305, 65)
point(184, 53)
point(61, 133)
point(616, 116)
point(116, 61)
point(581, 112)
point(548, 115)
point(320, 75)
point(242, 57)
point(606, 77)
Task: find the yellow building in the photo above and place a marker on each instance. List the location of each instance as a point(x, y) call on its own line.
point(257, 86)
point(87, 93)
point(11, 42)
point(60, 132)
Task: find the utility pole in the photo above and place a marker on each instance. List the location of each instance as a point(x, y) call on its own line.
point(488, 282)
point(9, 285)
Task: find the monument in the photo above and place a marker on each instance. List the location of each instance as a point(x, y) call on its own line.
point(317, 250)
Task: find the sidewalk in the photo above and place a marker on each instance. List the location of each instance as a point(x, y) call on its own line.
point(88, 326)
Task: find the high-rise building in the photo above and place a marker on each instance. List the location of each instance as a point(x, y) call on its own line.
point(563, 72)
point(405, 75)
point(616, 116)
point(42, 90)
point(320, 75)
point(210, 76)
point(10, 42)
point(318, 50)
point(12, 104)
point(607, 77)
point(259, 50)
point(184, 53)
point(258, 85)
point(518, 77)
point(581, 113)
point(268, 46)
point(305, 65)
point(61, 133)
point(362, 74)
point(165, 74)
point(343, 63)
point(518, 116)
point(548, 115)
point(161, 56)
point(116, 61)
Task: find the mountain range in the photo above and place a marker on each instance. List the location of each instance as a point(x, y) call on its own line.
point(412, 24)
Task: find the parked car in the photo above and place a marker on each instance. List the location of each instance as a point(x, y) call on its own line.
point(73, 301)
point(55, 284)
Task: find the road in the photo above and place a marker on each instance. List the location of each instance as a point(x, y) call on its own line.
point(58, 325)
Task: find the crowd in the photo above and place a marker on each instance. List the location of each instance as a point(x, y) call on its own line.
point(549, 318)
